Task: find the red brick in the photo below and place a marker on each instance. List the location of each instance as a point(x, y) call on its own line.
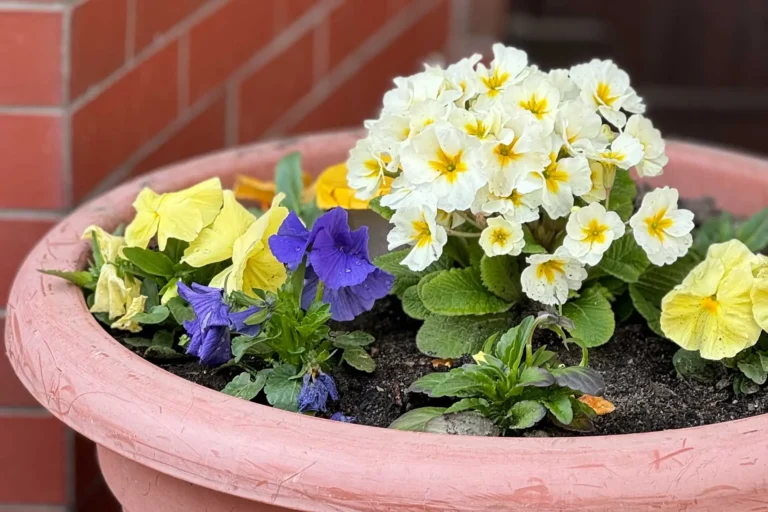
point(31, 151)
point(352, 24)
point(154, 17)
point(33, 460)
point(17, 238)
point(111, 127)
point(12, 392)
point(203, 134)
point(360, 97)
point(30, 52)
point(288, 12)
point(98, 42)
point(225, 40)
point(267, 94)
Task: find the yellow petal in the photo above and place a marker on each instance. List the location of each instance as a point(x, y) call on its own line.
point(184, 214)
point(108, 244)
point(125, 323)
point(759, 296)
point(254, 189)
point(171, 291)
point(141, 230)
point(332, 190)
point(681, 318)
point(215, 243)
point(732, 253)
point(113, 294)
point(221, 279)
point(262, 271)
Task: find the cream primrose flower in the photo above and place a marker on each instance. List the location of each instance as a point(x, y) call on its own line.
point(660, 228)
point(366, 167)
point(390, 132)
point(598, 191)
point(591, 231)
point(404, 194)
point(559, 181)
point(580, 129)
point(486, 126)
point(569, 91)
point(447, 163)
point(517, 207)
point(427, 113)
point(461, 77)
point(654, 159)
point(417, 227)
point(507, 68)
point(605, 88)
point(537, 97)
point(502, 237)
point(522, 150)
point(624, 152)
point(410, 91)
point(549, 277)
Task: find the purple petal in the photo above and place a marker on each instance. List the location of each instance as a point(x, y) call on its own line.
point(291, 241)
point(340, 416)
point(349, 301)
point(335, 264)
point(311, 397)
point(334, 221)
point(329, 384)
point(207, 303)
point(237, 322)
point(216, 347)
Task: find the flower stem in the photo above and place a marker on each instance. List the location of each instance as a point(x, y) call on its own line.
point(391, 174)
point(462, 234)
point(320, 290)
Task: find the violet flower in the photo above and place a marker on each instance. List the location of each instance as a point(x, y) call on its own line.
point(315, 392)
point(340, 416)
point(348, 302)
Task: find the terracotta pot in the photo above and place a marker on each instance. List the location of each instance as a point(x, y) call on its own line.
point(166, 444)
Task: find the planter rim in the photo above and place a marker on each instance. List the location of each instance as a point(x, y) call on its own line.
point(84, 377)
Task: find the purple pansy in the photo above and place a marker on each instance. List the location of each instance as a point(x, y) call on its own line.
point(237, 322)
point(340, 416)
point(349, 301)
point(291, 241)
point(315, 392)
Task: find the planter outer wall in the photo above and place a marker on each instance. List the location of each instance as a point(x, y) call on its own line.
point(168, 444)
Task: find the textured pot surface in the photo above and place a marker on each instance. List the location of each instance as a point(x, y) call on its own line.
point(168, 444)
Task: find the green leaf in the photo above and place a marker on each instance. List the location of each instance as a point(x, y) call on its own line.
point(282, 388)
point(249, 345)
point(560, 408)
point(623, 195)
point(625, 260)
point(352, 339)
point(149, 289)
point(137, 341)
point(151, 262)
point(359, 359)
point(375, 206)
point(246, 386)
point(466, 404)
point(753, 369)
point(428, 382)
point(536, 377)
point(460, 291)
point(412, 304)
point(532, 246)
point(592, 317)
point(464, 423)
point(511, 346)
point(82, 279)
point(405, 277)
point(578, 378)
point(525, 414)
point(156, 315)
point(175, 248)
point(258, 317)
point(654, 284)
point(162, 339)
point(288, 180)
point(180, 310)
point(462, 383)
point(501, 275)
point(690, 365)
point(160, 352)
point(98, 258)
point(416, 420)
point(714, 230)
point(754, 232)
point(451, 337)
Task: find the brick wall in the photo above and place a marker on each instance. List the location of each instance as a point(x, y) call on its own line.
point(93, 92)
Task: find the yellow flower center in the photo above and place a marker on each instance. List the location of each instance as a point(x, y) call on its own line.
point(536, 106)
point(516, 197)
point(505, 152)
point(603, 94)
point(595, 232)
point(448, 166)
point(478, 130)
point(495, 82)
point(553, 176)
point(657, 223)
point(421, 233)
point(499, 236)
point(550, 269)
point(373, 166)
point(615, 156)
point(710, 304)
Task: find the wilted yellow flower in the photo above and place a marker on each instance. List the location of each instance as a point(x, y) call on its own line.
point(109, 245)
point(263, 192)
point(253, 265)
point(181, 215)
point(126, 323)
point(711, 311)
point(333, 190)
point(215, 242)
point(760, 291)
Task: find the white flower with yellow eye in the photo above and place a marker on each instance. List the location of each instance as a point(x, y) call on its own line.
point(405, 194)
point(426, 114)
point(537, 97)
point(559, 181)
point(417, 227)
point(624, 152)
point(598, 191)
point(412, 90)
point(549, 277)
point(605, 88)
point(654, 159)
point(517, 207)
point(447, 163)
point(660, 228)
point(390, 132)
point(580, 129)
point(366, 166)
point(508, 67)
point(590, 232)
point(462, 77)
point(521, 150)
point(567, 87)
point(486, 126)
point(502, 237)
point(450, 220)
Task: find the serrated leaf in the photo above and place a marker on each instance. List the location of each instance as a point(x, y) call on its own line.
point(151, 262)
point(525, 414)
point(450, 337)
point(536, 377)
point(180, 310)
point(428, 382)
point(465, 423)
point(592, 317)
point(416, 420)
point(625, 260)
point(754, 232)
point(375, 206)
point(531, 246)
point(246, 386)
point(412, 304)
point(282, 388)
point(154, 316)
point(82, 279)
point(623, 195)
point(358, 358)
point(405, 277)
point(460, 291)
point(561, 409)
point(501, 275)
point(578, 378)
point(288, 180)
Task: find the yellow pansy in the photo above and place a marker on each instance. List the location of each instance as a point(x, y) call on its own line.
point(711, 311)
point(263, 192)
point(253, 265)
point(109, 245)
point(171, 291)
point(215, 242)
point(114, 294)
point(181, 215)
point(126, 323)
point(333, 190)
point(760, 291)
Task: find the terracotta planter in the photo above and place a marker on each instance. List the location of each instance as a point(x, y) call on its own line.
point(166, 444)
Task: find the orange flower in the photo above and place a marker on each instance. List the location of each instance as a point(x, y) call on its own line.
point(263, 192)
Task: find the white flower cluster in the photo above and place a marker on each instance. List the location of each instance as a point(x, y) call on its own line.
point(497, 145)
